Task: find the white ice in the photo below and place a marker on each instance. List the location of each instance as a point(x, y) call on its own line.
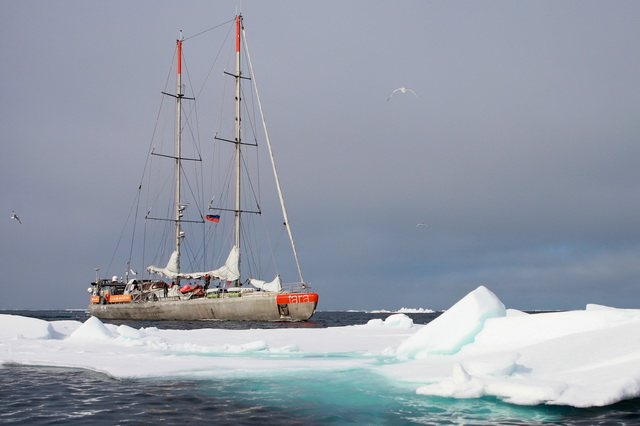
point(476, 348)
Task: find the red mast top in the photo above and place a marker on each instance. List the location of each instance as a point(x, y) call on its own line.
point(179, 56)
point(238, 25)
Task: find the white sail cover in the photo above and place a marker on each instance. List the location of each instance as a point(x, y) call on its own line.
point(170, 271)
point(274, 286)
point(228, 272)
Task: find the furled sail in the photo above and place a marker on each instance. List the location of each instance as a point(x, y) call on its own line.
point(228, 272)
point(274, 286)
point(170, 271)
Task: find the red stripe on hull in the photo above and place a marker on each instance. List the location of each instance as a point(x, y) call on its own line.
point(285, 299)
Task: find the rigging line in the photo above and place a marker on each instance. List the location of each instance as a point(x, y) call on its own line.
point(195, 137)
point(250, 114)
point(248, 179)
point(249, 252)
point(197, 249)
point(161, 190)
point(155, 127)
point(223, 191)
point(220, 120)
point(273, 164)
point(195, 199)
point(252, 125)
point(162, 239)
point(215, 61)
point(122, 233)
point(144, 248)
point(256, 194)
point(143, 169)
point(210, 29)
point(198, 253)
point(222, 172)
point(256, 264)
point(191, 257)
point(137, 198)
point(275, 247)
point(223, 228)
point(221, 243)
point(135, 222)
point(270, 245)
point(218, 240)
point(191, 111)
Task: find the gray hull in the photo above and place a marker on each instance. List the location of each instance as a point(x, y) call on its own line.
point(255, 307)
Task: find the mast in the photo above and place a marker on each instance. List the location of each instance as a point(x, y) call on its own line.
point(179, 208)
point(238, 134)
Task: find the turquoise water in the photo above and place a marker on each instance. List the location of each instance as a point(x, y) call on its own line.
point(33, 395)
point(360, 397)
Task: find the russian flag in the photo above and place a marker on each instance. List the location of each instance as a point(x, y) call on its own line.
point(213, 217)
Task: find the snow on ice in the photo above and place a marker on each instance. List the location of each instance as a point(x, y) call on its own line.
point(476, 348)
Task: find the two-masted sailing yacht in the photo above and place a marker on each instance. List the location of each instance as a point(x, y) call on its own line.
point(227, 292)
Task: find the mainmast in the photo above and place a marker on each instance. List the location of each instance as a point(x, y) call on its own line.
point(179, 208)
point(238, 134)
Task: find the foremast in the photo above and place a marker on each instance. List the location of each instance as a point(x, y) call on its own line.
point(173, 267)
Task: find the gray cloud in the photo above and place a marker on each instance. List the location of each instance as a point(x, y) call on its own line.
point(521, 153)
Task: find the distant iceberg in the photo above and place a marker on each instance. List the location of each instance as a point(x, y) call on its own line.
point(415, 311)
point(402, 311)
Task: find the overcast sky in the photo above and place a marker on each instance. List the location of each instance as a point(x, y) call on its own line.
point(521, 153)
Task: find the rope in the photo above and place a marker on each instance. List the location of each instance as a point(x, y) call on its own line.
point(213, 28)
point(124, 228)
point(273, 164)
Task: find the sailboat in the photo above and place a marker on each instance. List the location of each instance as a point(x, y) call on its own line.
point(227, 292)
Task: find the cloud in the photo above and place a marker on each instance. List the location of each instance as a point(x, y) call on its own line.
point(520, 153)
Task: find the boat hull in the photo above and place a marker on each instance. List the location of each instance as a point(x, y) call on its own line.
point(255, 307)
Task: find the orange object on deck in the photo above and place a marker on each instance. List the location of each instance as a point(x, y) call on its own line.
point(120, 298)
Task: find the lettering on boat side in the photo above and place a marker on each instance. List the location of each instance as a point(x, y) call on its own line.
point(284, 299)
point(120, 298)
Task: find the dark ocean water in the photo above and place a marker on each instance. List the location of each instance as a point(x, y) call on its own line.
point(59, 396)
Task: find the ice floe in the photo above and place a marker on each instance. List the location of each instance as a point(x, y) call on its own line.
point(476, 348)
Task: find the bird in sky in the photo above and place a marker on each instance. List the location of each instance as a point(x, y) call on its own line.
point(421, 224)
point(402, 90)
point(15, 216)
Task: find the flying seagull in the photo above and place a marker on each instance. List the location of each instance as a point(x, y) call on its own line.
point(421, 224)
point(15, 216)
point(402, 90)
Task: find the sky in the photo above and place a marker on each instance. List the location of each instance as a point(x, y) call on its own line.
point(520, 151)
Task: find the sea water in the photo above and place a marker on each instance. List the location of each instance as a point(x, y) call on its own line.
point(45, 395)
